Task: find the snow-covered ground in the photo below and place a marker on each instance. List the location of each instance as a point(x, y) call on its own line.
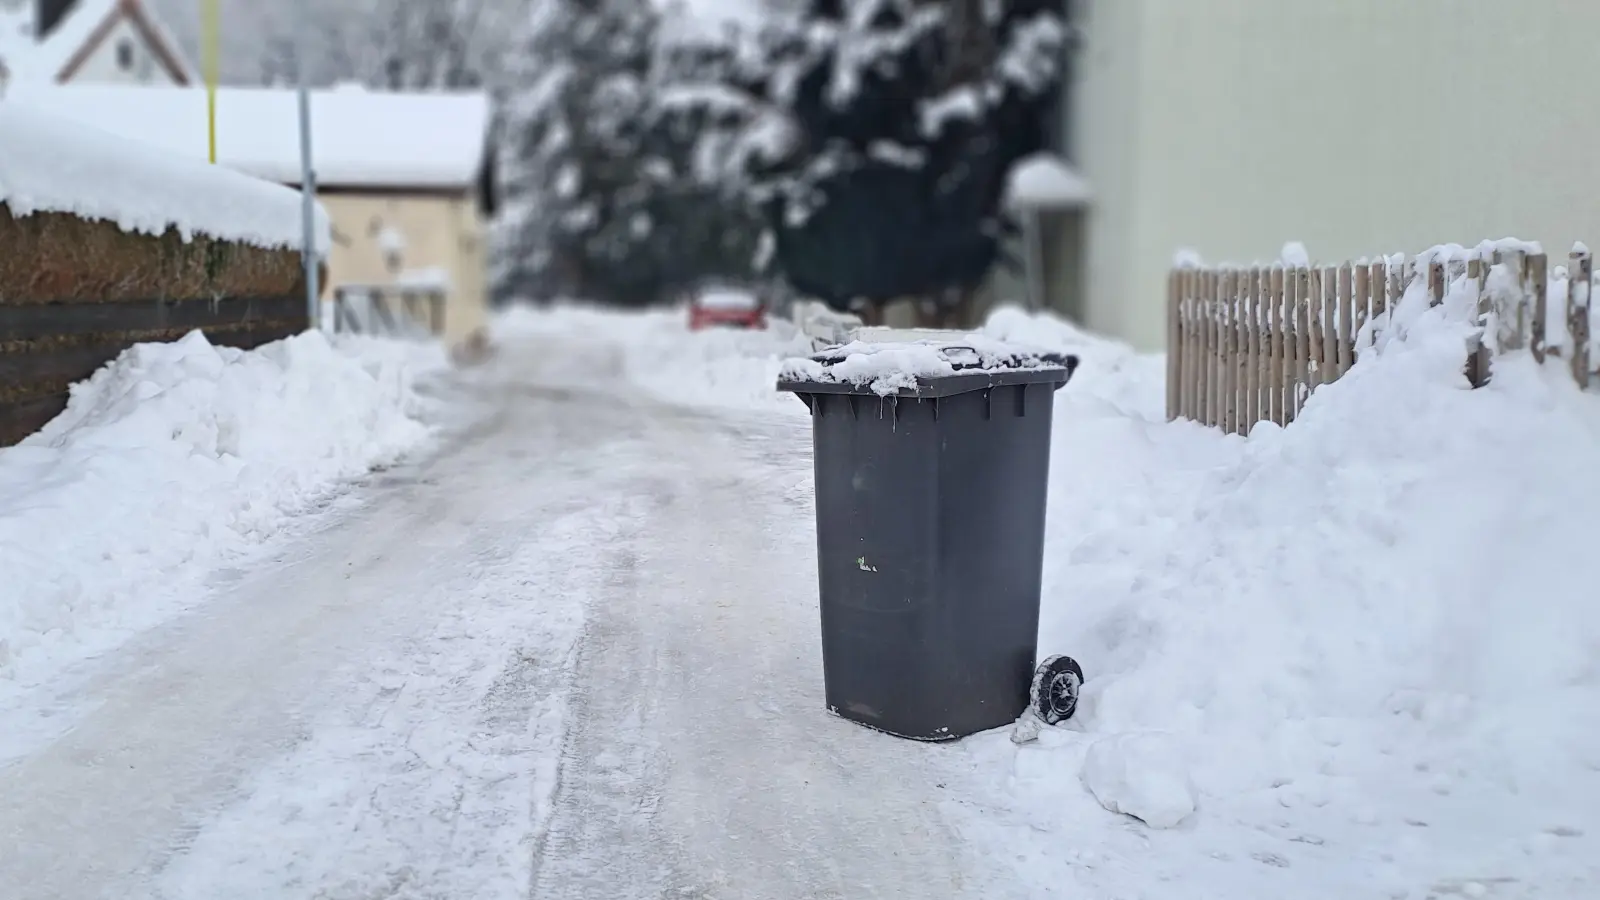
point(1356, 657)
point(574, 655)
point(173, 460)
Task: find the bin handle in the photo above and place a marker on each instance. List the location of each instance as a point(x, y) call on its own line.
point(1064, 360)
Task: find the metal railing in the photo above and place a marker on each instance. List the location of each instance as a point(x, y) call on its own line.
point(389, 310)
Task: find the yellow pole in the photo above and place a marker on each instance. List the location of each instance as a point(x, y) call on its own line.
point(211, 27)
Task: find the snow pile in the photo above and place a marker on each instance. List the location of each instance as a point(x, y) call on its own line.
point(718, 368)
point(1109, 373)
point(1364, 649)
point(177, 457)
point(48, 164)
point(1143, 775)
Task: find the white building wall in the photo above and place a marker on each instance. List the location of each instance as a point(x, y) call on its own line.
point(1356, 126)
point(1104, 130)
point(106, 64)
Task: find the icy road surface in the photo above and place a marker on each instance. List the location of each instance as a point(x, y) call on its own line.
point(573, 655)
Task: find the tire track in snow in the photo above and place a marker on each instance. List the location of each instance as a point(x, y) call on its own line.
point(700, 762)
point(366, 720)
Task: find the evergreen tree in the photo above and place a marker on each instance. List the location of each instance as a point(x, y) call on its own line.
point(900, 122)
point(577, 180)
point(617, 160)
point(699, 113)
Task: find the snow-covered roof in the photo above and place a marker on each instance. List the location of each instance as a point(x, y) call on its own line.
point(359, 138)
point(48, 164)
point(1046, 181)
point(85, 25)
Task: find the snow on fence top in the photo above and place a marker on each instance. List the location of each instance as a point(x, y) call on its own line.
point(49, 164)
point(359, 138)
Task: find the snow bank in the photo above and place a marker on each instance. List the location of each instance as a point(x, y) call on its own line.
point(719, 368)
point(48, 164)
point(1141, 775)
point(1368, 642)
point(175, 458)
point(1356, 657)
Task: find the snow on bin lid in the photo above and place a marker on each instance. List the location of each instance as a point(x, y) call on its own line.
point(916, 368)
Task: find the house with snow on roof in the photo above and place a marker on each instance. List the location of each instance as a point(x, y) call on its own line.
point(406, 178)
point(88, 42)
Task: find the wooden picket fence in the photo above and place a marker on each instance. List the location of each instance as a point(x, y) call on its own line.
point(1250, 344)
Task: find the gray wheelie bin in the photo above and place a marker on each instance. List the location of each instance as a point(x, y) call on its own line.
point(930, 513)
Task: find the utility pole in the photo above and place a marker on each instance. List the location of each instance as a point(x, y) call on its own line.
point(308, 175)
point(211, 25)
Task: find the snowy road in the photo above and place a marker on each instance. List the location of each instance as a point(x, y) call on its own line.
point(574, 655)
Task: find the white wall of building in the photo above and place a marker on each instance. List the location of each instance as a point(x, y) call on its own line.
point(122, 58)
point(1356, 126)
point(1104, 131)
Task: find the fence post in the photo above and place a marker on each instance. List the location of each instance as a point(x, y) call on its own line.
point(1508, 305)
point(1214, 358)
point(1536, 288)
point(1396, 279)
point(1302, 339)
point(1263, 405)
point(1435, 281)
point(1246, 331)
point(1315, 357)
point(1330, 324)
point(1191, 374)
point(1231, 284)
point(1383, 282)
point(1362, 301)
point(1219, 368)
point(1202, 306)
point(1250, 320)
point(1291, 344)
point(1474, 368)
point(1174, 347)
point(1580, 281)
point(1346, 339)
point(1273, 383)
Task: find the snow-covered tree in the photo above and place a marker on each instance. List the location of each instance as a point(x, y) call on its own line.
point(890, 127)
point(617, 187)
point(700, 110)
point(575, 170)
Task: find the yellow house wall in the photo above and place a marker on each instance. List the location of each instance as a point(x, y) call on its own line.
point(443, 232)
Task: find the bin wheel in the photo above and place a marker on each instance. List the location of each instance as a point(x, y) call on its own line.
point(1055, 689)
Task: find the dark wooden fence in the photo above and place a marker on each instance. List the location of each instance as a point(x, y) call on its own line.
point(75, 293)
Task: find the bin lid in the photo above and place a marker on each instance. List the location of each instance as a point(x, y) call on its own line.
point(923, 368)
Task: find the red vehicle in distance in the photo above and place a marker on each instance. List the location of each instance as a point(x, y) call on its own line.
point(727, 308)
